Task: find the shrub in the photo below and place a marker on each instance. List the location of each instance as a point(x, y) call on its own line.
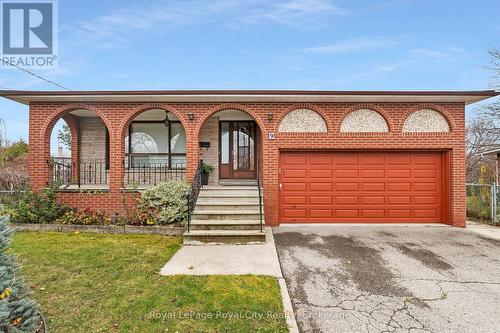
point(12, 152)
point(478, 209)
point(36, 207)
point(17, 312)
point(84, 217)
point(165, 203)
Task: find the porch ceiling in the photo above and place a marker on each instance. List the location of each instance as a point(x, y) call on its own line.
point(302, 96)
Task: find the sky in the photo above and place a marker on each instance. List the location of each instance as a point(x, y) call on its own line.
point(264, 44)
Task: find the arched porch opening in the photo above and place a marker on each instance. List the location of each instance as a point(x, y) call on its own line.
point(78, 150)
point(154, 149)
point(230, 140)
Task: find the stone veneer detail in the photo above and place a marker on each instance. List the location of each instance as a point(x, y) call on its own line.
point(302, 120)
point(426, 120)
point(364, 120)
point(92, 139)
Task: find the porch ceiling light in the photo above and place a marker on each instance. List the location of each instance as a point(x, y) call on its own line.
point(270, 116)
point(191, 116)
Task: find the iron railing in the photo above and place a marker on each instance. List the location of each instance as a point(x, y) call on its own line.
point(193, 193)
point(150, 174)
point(92, 172)
point(260, 195)
point(60, 172)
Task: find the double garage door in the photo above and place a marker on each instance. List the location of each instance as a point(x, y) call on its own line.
point(361, 187)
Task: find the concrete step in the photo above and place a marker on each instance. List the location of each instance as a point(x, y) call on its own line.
point(225, 225)
point(229, 192)
point(240, 214)
point(238, 182)
point(229, 187)
point(227, 200)
point(202, 237)
point(232, 206)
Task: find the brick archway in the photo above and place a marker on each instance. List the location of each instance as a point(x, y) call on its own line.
point(40, 155)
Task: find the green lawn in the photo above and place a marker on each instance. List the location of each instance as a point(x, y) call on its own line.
point(110, 283)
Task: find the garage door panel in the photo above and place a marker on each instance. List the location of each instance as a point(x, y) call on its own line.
point(373, 213)
point(425, 200)
point(430, 213)
point(321, 173)
point(346, 200)
point(398, 186)
point(320, 187)
point(398, 159)
point(430, 173)
point(399, 173)
point(346, 159)
point(399, 199)
point(373, 186)
point(293, 199)
point(294, 159)
point(421, 186)
point(295, 213)
point(347, 213)
point(318, 200)
point(372, 159)
point(325, 213)
point(299, 173)
point(372, 173)
point(373, 200)
point(320, 159)
point(341, 186)
point(346, 173)
point(298, 187)
point(361, 187)
point(425, 159)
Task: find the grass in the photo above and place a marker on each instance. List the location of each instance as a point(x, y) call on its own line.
point(110, 283)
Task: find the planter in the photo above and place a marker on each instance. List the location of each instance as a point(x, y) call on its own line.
point(204, 178)
point(104, 229)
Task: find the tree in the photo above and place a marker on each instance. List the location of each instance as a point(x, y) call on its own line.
point(64, 136)
point(18, 313)
point(481, 136)
point(483, 130)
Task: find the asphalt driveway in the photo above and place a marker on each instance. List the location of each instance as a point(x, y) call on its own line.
point(391, 279)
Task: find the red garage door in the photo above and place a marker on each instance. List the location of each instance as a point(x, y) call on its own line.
point(360, 187)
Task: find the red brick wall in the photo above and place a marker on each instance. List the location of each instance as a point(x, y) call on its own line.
point(117, 116)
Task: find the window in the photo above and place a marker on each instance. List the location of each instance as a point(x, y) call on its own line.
point(155, 143)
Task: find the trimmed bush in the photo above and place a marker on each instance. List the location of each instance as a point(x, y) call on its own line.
point(36, 207)
point(18, 314)
point(165, 203)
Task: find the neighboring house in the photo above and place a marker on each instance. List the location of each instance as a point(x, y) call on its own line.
point(325, 156)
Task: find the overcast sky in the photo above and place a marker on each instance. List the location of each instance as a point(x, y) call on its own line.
point(262, 44)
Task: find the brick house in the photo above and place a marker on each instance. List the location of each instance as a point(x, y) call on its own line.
point(324, 156)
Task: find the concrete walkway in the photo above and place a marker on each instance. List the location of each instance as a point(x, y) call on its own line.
point(226, 260)
point(485, 230)
point(234, 260)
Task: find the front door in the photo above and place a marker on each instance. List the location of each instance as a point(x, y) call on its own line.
point(237, 149)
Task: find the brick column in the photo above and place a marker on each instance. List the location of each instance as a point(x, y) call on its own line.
point(192, 151)
point(39, 151)
point(74, 126)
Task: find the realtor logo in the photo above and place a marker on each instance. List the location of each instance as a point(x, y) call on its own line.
point(29, 36)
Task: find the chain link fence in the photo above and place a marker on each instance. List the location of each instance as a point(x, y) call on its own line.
point(483, 203)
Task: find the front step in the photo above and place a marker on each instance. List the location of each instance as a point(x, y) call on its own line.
point(226, 215)
point(202, 207)
point(199, 237)
point(225, 225)
point(238, 182)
